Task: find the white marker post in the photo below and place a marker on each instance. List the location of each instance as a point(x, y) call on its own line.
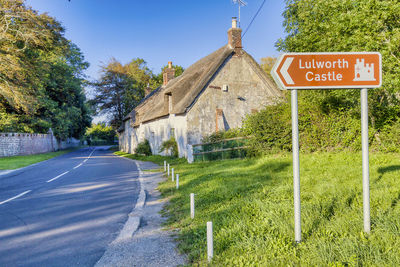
point(168, 169)
point(172, 174)
point(210, 245)
point(177, 181)
point(192, 205)
point(165, 165)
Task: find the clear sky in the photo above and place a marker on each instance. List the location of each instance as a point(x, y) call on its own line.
point(181, 31)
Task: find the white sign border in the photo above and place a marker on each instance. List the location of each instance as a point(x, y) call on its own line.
point(281, 85)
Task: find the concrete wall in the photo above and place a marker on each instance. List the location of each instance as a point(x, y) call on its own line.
point(14, 144)
point(242, 82)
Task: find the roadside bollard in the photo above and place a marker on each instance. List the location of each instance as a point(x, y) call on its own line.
point(192, 205)
point(168, 169)
point(210, 247)
point(165, 166)
point(172, 174)
point(177, 181)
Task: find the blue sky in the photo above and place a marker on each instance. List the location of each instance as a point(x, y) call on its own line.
point(181, 31)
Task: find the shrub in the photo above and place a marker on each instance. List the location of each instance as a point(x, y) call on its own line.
point(222, 135)
point(269, 130)
point(387, 140)
point(171, 147)
point(143, 148)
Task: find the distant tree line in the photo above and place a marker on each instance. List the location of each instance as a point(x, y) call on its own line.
point(41, 75)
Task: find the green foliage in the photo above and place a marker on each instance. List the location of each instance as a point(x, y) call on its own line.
point(221, 135)
point(387, 140)
point(143, 148)
point(269, 130)
point(41, 74)
point(120, 88)
point(170, 147)
point(100, 132)
point(348, 25)
point(251, 205)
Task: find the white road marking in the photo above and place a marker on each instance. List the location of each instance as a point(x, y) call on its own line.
point(17, 196)
point(51, 180)
point(77, 166)
point(85, 160)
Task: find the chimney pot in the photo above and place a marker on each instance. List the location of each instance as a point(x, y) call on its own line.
point(234, 23)
point(170, 64)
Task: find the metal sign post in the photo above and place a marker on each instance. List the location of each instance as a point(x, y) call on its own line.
point(347, 70)
point(365, 159)
point(296, 167)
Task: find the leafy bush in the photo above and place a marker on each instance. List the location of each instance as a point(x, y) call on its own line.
point(144, 148)
point(387, 140)
point(100, 133)
point(170, 147)
point(222, 135)
point(269, 130)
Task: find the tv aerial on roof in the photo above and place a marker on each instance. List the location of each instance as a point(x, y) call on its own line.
point(240, 3)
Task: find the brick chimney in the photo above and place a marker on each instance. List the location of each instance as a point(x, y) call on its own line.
point(169, 73)
point(235, 36)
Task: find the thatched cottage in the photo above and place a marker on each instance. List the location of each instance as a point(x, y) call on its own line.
point(213, 94)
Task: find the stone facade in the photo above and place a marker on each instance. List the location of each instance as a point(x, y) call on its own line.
point(15, 144)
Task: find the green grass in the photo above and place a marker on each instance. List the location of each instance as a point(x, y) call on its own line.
point(154, 158)
point(15, 162)
point(251, 205)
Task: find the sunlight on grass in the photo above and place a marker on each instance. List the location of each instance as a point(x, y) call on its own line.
point(15, 162)
point(251, 205)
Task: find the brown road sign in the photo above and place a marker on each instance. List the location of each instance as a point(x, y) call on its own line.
point(328, 70)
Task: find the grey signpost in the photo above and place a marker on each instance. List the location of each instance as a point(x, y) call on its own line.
point(294, 71)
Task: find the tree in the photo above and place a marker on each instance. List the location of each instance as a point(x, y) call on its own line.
point(120, 89)
point(349, 25)
point(100, 132)
point(41, 74)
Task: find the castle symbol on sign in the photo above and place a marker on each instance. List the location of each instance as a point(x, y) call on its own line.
point(363, 72)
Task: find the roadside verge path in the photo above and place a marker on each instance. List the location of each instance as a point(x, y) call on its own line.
point(150, 245)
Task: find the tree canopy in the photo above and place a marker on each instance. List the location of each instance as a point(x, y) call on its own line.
point(41, 74)
point(349, 25)
point(121, 87)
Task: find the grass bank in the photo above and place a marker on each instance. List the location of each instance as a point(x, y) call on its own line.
point(15, 162)
point(251, 205)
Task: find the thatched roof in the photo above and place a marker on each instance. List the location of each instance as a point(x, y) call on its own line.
point(186, 88)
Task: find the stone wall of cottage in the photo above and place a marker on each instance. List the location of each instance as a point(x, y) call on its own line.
point(156, 132)
point(235, 91)
point(15, 144)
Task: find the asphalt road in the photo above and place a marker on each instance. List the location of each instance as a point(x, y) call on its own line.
point(65, 211)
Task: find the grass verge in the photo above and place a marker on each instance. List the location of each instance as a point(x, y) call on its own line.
point(251, 205)
point(15, 162)
point(154, 158)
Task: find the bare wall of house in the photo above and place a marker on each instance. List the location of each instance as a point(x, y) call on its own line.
point(236, 90)
point(160, 130)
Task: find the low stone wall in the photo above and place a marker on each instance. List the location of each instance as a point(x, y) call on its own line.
point(14, 144)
